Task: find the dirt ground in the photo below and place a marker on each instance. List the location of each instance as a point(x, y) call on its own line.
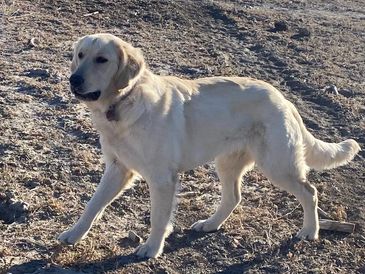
point(50, 156)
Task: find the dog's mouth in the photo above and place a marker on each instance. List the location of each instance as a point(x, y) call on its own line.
point(90, 96)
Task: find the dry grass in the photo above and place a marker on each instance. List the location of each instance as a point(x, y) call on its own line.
point(50, 157)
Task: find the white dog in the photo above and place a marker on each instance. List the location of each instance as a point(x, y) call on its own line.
point(156, 126)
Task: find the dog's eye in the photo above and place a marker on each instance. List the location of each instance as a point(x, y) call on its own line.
point(80, 55)
point(101, 60)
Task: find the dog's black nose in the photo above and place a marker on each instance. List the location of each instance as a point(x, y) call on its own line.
point(76, 80)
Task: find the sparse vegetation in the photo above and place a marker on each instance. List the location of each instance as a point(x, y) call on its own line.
point(50, 156)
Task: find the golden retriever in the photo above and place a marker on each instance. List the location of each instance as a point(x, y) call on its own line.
point(156, 126)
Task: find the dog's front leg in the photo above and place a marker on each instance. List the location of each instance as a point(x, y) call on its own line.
point(162, 194)
point(114, 180)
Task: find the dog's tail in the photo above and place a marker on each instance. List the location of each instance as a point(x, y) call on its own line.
point(321, 155)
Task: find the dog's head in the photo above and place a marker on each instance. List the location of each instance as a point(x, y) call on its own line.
point(102, 65)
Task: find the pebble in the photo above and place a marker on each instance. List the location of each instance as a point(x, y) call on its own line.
point(18, 206)
point(33, 42)
point(302, 33)
point(134, 237)
point(280, 26)
point(37, 73)
point(331, 89)
point(12, 210)
point(31, 184)
point(339, 262)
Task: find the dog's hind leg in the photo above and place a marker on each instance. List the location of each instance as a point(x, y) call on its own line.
point(309, 201)
point(115, 179)
point(307, 196)
point(280, 155)
point(230, 169)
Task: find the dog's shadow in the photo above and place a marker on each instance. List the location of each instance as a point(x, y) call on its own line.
point(104, 265)
point(43, 266)
point(180, 240)
point(281, 250)
point(184, 239)
point(266, 261)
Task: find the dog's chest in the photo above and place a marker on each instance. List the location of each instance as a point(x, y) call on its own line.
point(120, 142)
point(111, 132)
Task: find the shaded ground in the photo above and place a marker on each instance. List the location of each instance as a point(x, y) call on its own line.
point(49, 152)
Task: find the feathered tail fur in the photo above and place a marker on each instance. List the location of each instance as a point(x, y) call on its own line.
point(320, 155)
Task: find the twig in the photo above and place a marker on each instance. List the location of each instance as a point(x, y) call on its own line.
point(14, 12)
point(336, 226)
point(90, 14)
point(323, 213)
point(289, 213)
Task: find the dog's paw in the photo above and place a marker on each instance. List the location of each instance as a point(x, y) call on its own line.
point(70, 237)
point(147, 250)
point(204, 225)
point(307, 233)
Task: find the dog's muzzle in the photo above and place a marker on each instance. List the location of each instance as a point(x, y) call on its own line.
point(76, 82)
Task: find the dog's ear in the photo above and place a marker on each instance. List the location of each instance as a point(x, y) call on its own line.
point(75, 50)
point(131, 65)
point(74, 57)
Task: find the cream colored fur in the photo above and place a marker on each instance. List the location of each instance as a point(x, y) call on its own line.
point(167, 125)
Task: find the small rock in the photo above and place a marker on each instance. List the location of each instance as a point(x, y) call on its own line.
point(37, 73)
point(331, 89)
point(19, 206)
point(280, 26)
point(347, 92)
point(134, 237)
point(12, 210)
point(31, 184)
point(33, 42)
point(339, 262)
point(302, 33)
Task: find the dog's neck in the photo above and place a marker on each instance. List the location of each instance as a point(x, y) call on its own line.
point(126, 105)
point(111, 114)
point(130, 94)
